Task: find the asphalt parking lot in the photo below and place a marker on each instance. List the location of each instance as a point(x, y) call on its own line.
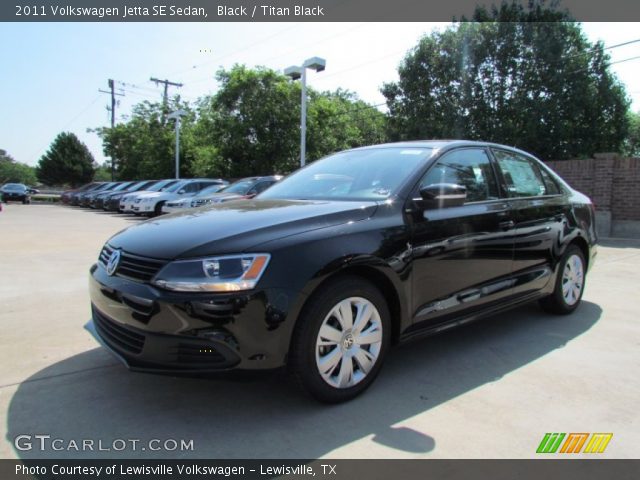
point(488, 390)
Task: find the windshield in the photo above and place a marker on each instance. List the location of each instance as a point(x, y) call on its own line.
point(371, 174)
point(138, 185)
point(161, 184)
point(241, 186)
point(122, 186)
point(176, 186)
point(210, 190)
point(104, 186)
point(14, 186)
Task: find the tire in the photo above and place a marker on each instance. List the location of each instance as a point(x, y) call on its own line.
point(355, 365)
point(157, 210)
point(569, 287)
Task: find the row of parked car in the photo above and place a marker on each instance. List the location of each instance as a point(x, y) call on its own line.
point(154, 197)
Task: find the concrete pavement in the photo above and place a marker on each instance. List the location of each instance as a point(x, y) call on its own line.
point(488, 390)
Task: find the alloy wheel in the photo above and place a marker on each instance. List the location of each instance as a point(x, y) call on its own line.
point(572, 279)
point(349, 342)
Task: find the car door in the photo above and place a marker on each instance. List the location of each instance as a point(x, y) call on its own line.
point(462, 255)
point(540, 210)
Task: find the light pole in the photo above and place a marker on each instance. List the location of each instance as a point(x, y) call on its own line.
point(315, 63)
point(176, 115)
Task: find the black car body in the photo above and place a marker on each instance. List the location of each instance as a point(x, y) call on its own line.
point(67, 196)
point(111, 202)
point(97, 201)
point(426, 235)
point(87, 198)
point(15, 192)
point(82, 199)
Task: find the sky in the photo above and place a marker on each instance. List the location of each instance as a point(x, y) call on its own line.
point(51, 72)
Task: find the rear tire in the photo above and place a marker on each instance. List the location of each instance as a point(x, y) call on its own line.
point(341, 340)
point(569, 287)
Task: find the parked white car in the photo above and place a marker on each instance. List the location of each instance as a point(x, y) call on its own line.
point(128, 201)
point(152, 203)
point(188, 202)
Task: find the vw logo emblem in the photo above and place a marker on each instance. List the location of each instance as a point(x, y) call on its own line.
point(114, 261)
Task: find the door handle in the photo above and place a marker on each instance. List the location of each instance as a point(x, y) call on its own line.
point(507, 224)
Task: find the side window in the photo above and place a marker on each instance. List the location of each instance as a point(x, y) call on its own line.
point(192, 187)
point(261, 187)
point(521, 175)
point(550, 183)
point(469, 167)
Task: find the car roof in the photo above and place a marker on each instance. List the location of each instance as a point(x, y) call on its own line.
point(441, 144)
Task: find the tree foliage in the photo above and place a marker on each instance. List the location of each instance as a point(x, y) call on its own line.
point(249, 127)
point(15, 172)
point(144, 147)
point(68, 161)
point(632, 142)
point(526, 77)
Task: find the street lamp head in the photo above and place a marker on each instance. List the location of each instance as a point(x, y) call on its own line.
point(177, 114)
point(316, 63)
point(294, 72)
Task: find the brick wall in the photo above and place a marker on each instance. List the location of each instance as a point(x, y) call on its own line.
point(611, 181)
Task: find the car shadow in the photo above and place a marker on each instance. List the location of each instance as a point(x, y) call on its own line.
point(90, 396)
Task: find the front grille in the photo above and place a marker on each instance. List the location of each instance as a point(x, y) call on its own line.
point(116, 336)
point(131, 266)
point(193, 355)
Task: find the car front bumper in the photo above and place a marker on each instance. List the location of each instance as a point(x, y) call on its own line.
point(171, 209)
point(158, 331)
point(144, 207)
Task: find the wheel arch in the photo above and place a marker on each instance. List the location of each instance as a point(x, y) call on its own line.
point(375, 275)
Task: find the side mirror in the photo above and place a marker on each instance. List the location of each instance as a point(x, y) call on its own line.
point(442, 195)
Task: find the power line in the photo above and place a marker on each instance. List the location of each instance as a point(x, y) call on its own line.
point(242, 49)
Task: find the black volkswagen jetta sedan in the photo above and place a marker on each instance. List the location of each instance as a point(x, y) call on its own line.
point(354, 253)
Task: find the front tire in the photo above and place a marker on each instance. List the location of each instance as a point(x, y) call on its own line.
point(341, 340)
point(569, 287)
point(157, 211)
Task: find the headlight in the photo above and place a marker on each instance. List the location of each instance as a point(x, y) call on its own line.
point(228, 273)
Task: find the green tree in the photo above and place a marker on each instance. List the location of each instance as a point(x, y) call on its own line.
point(252, 121)
point(103, 173)
point(339, 120)
point(251, 126)
point(523, 76)
point(632, 142)
point(15, 172)
point(144, 146)
point(68, 161)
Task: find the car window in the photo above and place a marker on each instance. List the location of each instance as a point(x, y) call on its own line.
point(550, 183)
point(521, 175)
point(469, 167)
point(191, 187)
point(260, 187)
point(366, 174)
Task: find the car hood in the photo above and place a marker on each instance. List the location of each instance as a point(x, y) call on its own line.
point(234, 227)
point(222, 197)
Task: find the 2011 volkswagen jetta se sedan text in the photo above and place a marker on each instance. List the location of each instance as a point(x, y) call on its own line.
point(356, 252)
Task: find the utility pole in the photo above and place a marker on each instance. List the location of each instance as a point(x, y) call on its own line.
point(113, 93)
point(165, 97)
